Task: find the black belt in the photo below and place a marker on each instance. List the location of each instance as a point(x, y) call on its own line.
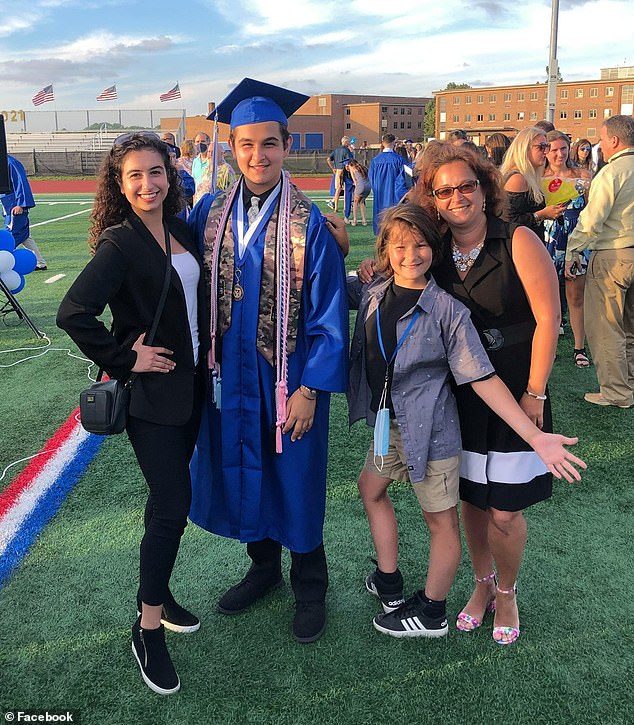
point(495, 338)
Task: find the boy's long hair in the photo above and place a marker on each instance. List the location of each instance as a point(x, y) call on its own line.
point(111, 206)
point(407, 215)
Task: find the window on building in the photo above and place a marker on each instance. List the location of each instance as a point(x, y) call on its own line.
point(480, 98)
point(420, 111)
point(467, 99)
point(420, 125)
point(491, 116)
point(321, 102)
point(520, 115)
point(563, 114)
point(609, 91)
point(507, 116)
point(594, 93)
point(507, 96)
point(409, 111)
point(520, 96)
point(592, 113)
point(578, 114)
point(607, 112)
point(395, 125)
point(534, 96)
point(456, 119)
point(396, 111)
point(564, 93)
point(347, 126)
point(467, 118)
point(402, 111)
point(409, 124)
point(480, 117)
point(579, 93)
point(383, 109)
point(533, 116)
point(493, 97)
point(456, 100)
point(627, 93)
point(402, 124)
point(347, 111)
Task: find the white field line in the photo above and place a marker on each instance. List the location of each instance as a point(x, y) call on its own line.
point(54, 278)
point(59, 219)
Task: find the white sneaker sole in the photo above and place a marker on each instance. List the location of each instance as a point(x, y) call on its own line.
point(149, 683)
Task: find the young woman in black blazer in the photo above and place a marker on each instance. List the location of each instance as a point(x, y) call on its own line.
point(137, 197)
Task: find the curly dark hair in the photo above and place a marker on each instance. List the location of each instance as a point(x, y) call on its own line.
point(110, 206)
point(442, 153)
point(409, 215)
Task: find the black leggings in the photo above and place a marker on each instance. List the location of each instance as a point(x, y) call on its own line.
point(163, 453)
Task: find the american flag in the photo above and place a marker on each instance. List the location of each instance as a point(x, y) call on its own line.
point(171, 95)
point(108, 94)
point(43, 96)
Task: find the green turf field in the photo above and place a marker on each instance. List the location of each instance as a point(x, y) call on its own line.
point(67, 611)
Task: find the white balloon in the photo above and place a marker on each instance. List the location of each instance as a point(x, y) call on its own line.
point(7, 260)
point(12, 279)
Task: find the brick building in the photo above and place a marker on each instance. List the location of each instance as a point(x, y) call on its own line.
point(581, 106)
point(322, 121)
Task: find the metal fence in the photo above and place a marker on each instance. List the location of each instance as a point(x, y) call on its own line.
point(88, 119)
point(86, 163)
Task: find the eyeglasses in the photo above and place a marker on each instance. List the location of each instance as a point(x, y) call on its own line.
point(584, 148)
point(446, 192)
point(545, 147)
point(129, 136)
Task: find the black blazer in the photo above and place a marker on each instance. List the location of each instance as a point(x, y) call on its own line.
point(127, 274)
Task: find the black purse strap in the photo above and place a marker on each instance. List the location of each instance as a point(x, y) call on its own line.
point(149, 338)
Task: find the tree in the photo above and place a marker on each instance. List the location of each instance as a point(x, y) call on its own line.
point(457, 86)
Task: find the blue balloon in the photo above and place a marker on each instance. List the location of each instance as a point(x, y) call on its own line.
point(7, 242)
point(25, 261)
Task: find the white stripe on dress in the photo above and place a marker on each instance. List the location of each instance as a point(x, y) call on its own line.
point(516, 467)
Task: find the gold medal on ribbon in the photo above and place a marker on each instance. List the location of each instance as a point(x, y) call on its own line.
point(238, 292)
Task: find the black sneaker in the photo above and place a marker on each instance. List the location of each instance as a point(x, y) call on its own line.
point(391, 596)
point(175, 617)
point(247, 592)
point(309, 622)
point(150, 651)
point(410, 620)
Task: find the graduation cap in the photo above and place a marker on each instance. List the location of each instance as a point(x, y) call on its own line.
point(253, 101)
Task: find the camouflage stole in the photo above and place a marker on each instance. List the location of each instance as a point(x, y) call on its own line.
point(300, 214)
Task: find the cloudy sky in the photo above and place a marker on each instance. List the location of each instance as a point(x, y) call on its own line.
point(313, 46)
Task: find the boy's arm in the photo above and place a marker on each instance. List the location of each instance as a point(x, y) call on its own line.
point(548, 446)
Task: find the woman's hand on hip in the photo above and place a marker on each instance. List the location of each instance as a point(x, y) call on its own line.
point(151, 359)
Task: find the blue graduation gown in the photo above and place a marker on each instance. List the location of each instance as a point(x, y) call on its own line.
point(241, 488)
point(387, 179)
point(20, 195)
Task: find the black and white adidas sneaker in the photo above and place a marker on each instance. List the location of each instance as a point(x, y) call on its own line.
point(410, 620)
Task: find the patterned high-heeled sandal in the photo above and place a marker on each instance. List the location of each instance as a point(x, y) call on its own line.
point(465, 622)
point(506, 635)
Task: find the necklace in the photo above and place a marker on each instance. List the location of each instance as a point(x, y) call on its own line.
point(463, 261)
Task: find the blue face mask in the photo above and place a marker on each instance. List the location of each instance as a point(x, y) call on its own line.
point(201, 148)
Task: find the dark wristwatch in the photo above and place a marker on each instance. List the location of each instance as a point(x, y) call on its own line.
point(310, 393)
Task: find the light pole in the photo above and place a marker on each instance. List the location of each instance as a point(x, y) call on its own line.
point(553, 65)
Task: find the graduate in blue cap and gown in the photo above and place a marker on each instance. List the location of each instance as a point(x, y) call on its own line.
point(15, 209)
point(279, 325)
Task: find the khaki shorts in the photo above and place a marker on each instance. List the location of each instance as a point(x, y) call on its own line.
point(339, 178)
point(438, 491)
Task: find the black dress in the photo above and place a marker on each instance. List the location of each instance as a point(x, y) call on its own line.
point(498, 468)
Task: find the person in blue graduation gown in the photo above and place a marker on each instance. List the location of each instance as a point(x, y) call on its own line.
point(387, 178)
point(15, 209)
point(243, 486)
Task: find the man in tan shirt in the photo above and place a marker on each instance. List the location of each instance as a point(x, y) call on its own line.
point(606, 226)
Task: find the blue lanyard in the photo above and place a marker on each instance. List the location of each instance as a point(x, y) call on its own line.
point(399, 343)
